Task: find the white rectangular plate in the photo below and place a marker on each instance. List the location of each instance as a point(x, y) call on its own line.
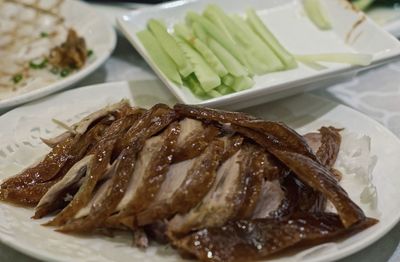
point(352, 32)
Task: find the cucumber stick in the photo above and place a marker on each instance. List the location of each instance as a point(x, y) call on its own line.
point(255, 23)
point(242, 83)
point(257, 51)
point(199, 32)
point(207, 77)
point(193, 84)
point(218, 35)
point(233, 66)
point(213, 61)
point(316, 14)
point(159, 56)
point(224, 90)
point(170, 46)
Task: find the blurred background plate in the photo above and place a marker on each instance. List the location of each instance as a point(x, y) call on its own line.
point(100, 37)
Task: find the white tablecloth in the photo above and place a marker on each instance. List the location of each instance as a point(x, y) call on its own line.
point(375, 93)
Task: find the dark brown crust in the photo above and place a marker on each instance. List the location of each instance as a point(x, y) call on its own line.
point(153, 179)
point(278, 134)
point(195, 145)
point(313, 174)
point(152, 122)
point(330, 145)
point(27, 183)
point(102, 155)
point(254, 170)
point(197, 183)
point(254, 240)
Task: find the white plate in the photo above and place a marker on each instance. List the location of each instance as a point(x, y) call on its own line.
point(99, 36)
point(388, 17)
point(21, 128)
point(288, 22)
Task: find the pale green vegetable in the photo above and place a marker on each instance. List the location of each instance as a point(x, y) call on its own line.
point(346, 58)
point(159, 56)
point(224, 90)
point(212, 60)
point(207, 77)
point(219, 36)
point(255, 50)
point(233, 66)
point(242, 83)
point(199, 31)
point(228, 80)
point(214, 93)
point(316, 14)
point(170, 46)
point(193, 84)
point(255, 23)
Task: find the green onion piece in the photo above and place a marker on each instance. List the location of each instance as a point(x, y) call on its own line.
point(316, 14)
point(44, 34)
point(65, 72)
point(194, 85)
point(17, 78)
point(38, 65)
point(89, 53)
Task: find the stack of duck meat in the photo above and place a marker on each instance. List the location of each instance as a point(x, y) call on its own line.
point(216, 185)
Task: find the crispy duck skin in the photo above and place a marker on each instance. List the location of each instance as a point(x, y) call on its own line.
point(254, 180)
point(218, 186)
point(152, 176)
point(196, 184)
point(312, 173)
point(30, 186)
point(195, 145)
point(152, 122)
point(246, 240)
point(278, 134)
point(101, 158)
point(224, 199)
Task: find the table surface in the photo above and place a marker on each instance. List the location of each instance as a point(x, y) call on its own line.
point(376, 93)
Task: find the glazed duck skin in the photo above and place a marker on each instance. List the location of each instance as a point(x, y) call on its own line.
point(217, 185)
point(245, 240)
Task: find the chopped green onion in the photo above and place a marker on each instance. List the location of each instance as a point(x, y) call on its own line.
point(89, 53)
point(44, 34)
point(65, 72)
point(40, 65)
point(55, 70)
point(17, 78)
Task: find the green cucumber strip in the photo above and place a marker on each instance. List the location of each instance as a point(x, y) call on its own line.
point(199, 32)
point(255, 23)
point(214, 93)
point(345, 58)
point(233, 66)
point(217, 20)
point(207, 77)
point(213, 61)
point(242, 83)
point(257, 51)
point(316, 14)
point(170, 46)
point(159, 56)
point(194, 86)
point(224, 90)
point(218, 35)
point(228, 80)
